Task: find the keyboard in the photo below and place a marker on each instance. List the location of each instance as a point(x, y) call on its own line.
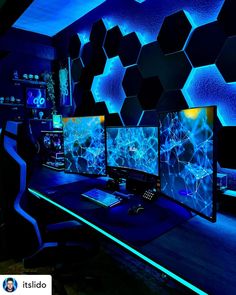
point(101, 197)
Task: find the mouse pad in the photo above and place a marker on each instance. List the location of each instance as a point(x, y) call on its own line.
point(156, 219)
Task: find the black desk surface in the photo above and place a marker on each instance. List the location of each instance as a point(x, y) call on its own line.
point(201, 252)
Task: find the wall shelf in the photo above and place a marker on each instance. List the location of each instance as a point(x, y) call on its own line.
point(32, 82)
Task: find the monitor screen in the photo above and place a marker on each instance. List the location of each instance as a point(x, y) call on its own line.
point(52, 141)
point(187, 162)
point(134, 148)
point(57, 121)
point(85, 145)
point(36, 98)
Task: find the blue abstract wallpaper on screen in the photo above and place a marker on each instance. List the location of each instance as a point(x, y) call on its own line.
point(84, 145)
point(134, 148)
point(187, 159)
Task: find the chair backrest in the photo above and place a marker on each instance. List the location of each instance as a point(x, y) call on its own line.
point(19, 223)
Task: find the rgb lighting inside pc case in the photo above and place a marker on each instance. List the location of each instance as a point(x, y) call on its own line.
point(133, 147)
point(84, 145)
point(187, 162)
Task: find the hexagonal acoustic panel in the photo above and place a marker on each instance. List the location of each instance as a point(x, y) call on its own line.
point(76, 69)
point(226, 61)
point(150, 92)
point(86, 78)
point(112, 41)
point(129, 49)
point(108, 86)
point(151, 60)
point(176, 71)
point(131, 111)
point(74, 46)
point(98, 33)
point(149, 118)
point(174, 32)
point(226, 17)
point(94, 58)
point(85, 104)
point(113, 120)
point(205, 44)
point(172, 69)
point(171, 101)
point(132, 81)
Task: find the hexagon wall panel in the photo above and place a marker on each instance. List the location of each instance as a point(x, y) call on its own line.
point(98, 33)
point(76, 69)
point(132, 81)
point(150, 92)
point(74, 46)
point(205, 44)
point(175, 72)
point(172, 69)
point(171, 100)
point(149, 118)
point(206, 86)
point(151, 60)
point(131, 111)
point(94, 58)
point(112, 41)
point(113, 120)
point(107, 87)
point(227, 17)
point(226, 61)
point(174, 32)
point(129, 49)
point(86, 78)
point(85, 105)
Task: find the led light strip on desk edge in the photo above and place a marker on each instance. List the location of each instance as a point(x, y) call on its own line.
point(145, 258)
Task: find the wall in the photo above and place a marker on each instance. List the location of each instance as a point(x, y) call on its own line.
point(25, 52)
point(163, 55)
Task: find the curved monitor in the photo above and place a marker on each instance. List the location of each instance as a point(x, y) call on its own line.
point(134, 148)
point(85, 145)
point(187, 161)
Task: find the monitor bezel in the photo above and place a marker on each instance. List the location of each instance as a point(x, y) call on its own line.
point(214, 185)
point(83, 173)
point(132, 169)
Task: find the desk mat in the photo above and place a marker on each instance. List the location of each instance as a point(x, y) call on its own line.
point(156, 219)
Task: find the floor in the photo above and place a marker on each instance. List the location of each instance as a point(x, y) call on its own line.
point(103, 276)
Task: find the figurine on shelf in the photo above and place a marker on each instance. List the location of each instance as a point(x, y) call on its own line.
point(41, 115)
point(12, 99)
point(15, 75)
point(1, 99)
point(36, 77)
point(31, 76)
point(25, 76)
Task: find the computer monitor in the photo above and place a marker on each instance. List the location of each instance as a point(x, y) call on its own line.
point(133, 148)
point(187, 160)
point(85, 145)
point(36, 98)
point(57, 121)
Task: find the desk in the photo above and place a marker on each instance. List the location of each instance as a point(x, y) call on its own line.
point(196, 253)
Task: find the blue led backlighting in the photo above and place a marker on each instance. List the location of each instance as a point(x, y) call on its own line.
point(186, 158)
point(124, 245)
point(50, 17)
point(108, 86)
point(133, 147)
point(206, 86)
